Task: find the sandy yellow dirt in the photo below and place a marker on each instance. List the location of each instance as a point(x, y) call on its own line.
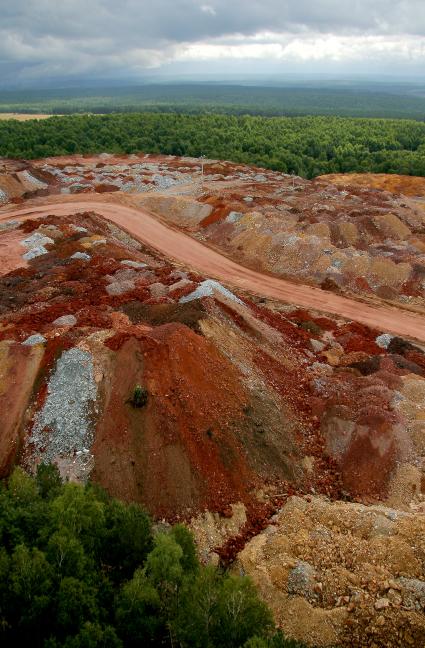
point(23, 116)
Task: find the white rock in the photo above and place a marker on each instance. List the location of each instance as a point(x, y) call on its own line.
point(65, 320)
point(34, 253)
point(133, 264)
point(179, 285)
point(37, 338)
point(81, 255)
point(120, 287)
point(36, 240)
point(207, 289)
point(383, 341)
point(233, 217)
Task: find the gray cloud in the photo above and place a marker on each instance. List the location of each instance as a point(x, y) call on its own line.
point(76, 37)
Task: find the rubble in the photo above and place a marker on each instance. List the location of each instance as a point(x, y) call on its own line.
point(34, 339)
point(208, 288)
point(62, 426)
point(82, 256)
point(65, 320)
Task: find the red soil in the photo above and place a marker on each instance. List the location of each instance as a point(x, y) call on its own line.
point(18, 370)
point(178, 245)
point(184, 454)
point(11, 252)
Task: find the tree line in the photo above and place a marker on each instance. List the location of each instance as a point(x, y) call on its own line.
point(79, 569)
point(350, 99)
point(306, 146)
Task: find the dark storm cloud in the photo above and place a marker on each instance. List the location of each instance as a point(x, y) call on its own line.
point(74, 36)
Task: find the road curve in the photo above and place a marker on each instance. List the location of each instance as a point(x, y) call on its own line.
point(184, 249)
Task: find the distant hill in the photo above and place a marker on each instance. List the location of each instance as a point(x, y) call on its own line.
point(395, 100)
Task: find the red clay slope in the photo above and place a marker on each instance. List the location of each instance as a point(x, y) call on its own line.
point(179, 246)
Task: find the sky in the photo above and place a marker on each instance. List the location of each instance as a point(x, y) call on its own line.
point(137, 39)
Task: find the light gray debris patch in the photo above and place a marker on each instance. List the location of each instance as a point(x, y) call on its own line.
point(123, 274)
point(34, 181)
point(8, 225)
point(163, 182)
point(158, 290)
point(302, 580)
point(81, 255)
point(63, 426)
point(37, 240)
point(383, 341)
point(413, 593)
point(233, 217)
point(3, 196)
point(65, 320)
point(34, 253)
point(133, 264)
point(37, 338)
point(178, 274)
point(182, 283)
point(120, 287)
point(207, 289)
point(77, 228)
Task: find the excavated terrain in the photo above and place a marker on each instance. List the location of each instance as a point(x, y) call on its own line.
point(289, 439)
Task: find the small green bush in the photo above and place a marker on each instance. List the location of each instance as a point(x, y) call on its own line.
point(139, 397)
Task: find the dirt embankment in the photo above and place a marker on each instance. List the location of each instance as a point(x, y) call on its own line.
point(179, 246)
point(396, 184)
point(341, 574)
point(363, 238)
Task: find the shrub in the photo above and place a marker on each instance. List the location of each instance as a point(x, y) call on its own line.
point(139, 397)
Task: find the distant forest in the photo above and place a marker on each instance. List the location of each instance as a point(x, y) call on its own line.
point(306, 146)
point(346, 99)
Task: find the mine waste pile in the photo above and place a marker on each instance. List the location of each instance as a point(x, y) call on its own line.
point(289, 439)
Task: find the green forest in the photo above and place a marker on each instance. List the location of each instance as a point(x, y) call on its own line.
point(81, 570)
point(348, 99)
point(306, 146)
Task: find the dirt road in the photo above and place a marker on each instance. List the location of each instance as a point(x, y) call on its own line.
point(184, 249)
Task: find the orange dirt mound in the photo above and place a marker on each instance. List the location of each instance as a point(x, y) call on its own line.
point(179, 453)
point(399, 184)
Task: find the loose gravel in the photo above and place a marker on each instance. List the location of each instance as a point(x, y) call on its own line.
point(65, 320)
point(63, 426)
point(81, 255)
point(34, 181)
point(37, 338)
point(36, 240)
point(383, 341)
point(34, 252)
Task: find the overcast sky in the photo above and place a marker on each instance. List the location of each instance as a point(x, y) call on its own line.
point(41, 39)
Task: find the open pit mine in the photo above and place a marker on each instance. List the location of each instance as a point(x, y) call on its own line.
point(237, 349)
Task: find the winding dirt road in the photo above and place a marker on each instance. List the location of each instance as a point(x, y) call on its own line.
point(184, 249)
